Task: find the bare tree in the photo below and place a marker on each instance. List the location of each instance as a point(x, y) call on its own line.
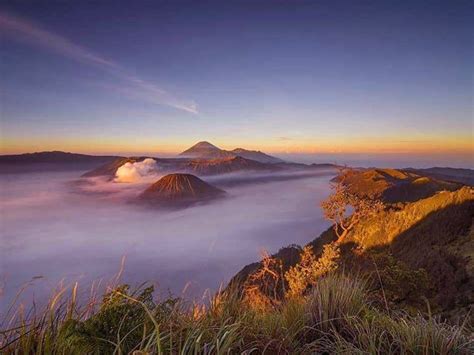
point(345, 208)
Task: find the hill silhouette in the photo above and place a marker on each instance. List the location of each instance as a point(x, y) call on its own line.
point(50, 161)
point(178, 191)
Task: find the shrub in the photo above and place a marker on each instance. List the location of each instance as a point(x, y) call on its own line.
point(306, 273)
point(400, 283)
point(264, 288)
point(381, 334)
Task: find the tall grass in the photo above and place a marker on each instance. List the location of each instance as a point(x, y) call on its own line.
point(335, 317)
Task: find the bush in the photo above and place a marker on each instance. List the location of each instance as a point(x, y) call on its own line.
point(335, 300)
point(306, 273)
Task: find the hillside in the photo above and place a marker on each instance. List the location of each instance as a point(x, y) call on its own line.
point(423, 248)
point(256, 155)
point(391, 185)
point(463, 176)
point(178, 191)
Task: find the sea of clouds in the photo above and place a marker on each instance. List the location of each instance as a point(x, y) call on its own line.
point(56, 227)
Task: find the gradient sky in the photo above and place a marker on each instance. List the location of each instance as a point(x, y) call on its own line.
point(391, 77)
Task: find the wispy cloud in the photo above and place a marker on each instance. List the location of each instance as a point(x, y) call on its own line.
point(134, 87)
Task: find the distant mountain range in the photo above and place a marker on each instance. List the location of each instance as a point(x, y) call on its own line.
point(51, 161)
point(204, 159)
point(206, 150)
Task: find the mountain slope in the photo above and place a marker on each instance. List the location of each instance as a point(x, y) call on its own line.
point(392, 185)
point(179, 190)
point(109, 169)
point(256, 155)
point(226, 165)
point(410, 250)
point(206, 150)
point(464, 176)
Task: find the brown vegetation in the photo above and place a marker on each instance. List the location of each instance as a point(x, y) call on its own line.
point(410, 252)
point(345, 208)
point(393, 186)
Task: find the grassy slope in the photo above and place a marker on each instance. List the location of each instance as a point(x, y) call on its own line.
point(434, 234)
point(335, 317)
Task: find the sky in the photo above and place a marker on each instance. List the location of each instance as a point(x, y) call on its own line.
point(286, 77)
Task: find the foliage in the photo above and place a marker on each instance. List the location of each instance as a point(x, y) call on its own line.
point(399, 283)
point(334, 317)
point(306, 273)
point(343, 200)
point(264, 288)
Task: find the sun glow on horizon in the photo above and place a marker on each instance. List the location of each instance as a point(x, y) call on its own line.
point(381, 145)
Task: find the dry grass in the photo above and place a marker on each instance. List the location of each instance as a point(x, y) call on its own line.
point(334, 317)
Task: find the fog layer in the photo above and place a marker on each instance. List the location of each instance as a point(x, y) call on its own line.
point(60, 229)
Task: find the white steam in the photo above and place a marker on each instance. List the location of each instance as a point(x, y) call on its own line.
point(133, 172)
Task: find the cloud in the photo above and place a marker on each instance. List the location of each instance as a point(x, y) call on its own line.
point(24, 31)
point(85, 235)
point(133, 172)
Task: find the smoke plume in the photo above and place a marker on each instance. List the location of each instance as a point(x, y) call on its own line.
point(134, 172)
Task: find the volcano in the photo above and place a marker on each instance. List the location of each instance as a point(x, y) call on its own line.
point(179, 191)
point(206, 150)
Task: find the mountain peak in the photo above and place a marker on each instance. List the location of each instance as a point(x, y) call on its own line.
point(206, 150)
point(204, 144)
point(180, 190)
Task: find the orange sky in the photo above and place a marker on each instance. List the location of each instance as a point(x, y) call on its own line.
point(381, 145)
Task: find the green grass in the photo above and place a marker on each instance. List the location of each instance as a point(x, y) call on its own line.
point(335, 316)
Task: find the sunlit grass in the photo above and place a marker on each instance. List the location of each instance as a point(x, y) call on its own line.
point(334, 317)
